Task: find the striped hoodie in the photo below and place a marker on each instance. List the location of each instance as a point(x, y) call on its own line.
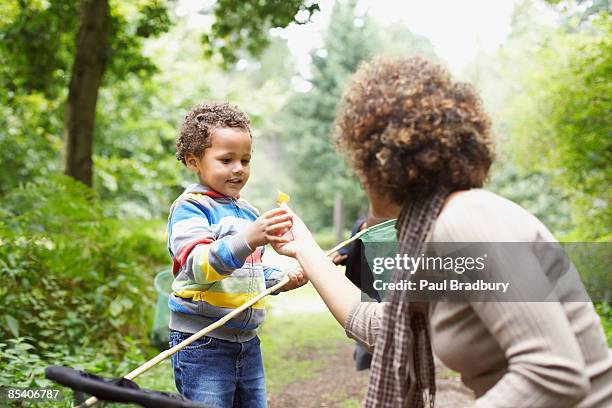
point(214, 269)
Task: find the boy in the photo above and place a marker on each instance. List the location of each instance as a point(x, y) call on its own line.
point(216, 241)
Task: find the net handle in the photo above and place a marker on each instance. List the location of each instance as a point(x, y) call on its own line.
point(167, 353)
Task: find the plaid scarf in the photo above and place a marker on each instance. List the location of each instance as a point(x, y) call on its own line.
point(402, 366)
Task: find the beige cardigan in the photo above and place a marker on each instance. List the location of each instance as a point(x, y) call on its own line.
point(547, 354)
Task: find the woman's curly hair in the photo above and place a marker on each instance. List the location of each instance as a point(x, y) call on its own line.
point(202, 119)
point(407, 129)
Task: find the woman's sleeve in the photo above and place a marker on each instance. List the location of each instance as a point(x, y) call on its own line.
point(363, 323)
point(545, 365)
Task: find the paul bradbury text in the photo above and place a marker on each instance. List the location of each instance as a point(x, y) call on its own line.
point(452, 285)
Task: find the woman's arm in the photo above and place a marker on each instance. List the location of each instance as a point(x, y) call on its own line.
point(361, 320)
point(545, 366)
point(338, 293)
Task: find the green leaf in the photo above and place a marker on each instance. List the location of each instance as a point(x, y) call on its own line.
point(12, 324)
point(116, 307)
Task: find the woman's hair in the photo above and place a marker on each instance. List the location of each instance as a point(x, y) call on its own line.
point(407, 128)
point(195, 134)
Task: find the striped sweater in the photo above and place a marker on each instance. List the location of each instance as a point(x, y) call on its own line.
point(214, 269)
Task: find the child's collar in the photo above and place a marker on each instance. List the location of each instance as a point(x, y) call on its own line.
point(207, 191)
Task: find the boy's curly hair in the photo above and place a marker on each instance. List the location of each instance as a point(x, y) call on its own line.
point(407, 128)
point(202, 119)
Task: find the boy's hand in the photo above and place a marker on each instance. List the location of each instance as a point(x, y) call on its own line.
point(338, 258)
point(269, 228)
point(297, 279)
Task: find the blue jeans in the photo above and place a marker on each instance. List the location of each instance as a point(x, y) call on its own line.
point(220, 373)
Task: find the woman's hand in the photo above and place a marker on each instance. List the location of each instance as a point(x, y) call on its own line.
point(296, 239)
point(338, 293)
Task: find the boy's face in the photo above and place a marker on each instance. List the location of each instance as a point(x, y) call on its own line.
point(224, 166)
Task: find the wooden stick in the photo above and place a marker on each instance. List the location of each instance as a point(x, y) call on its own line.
point(348, 241)
point(167, 353)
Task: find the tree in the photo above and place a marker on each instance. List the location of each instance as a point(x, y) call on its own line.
point(110, 35)
point(547, 90)
point(565, 128)
point(90, 62)
point(321, 177)
point(319, 174)
point(244, 25)
point(582, 9)
point(501, 78)
point(57, 51)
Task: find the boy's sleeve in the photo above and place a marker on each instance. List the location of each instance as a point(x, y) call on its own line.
point(273, 276)
point(197, 251)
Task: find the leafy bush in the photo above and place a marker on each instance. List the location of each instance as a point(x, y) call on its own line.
point(564, 124)
point(74, 285)
point(22, 365)
point(604, 310)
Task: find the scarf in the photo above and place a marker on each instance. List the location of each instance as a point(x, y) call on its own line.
point(402, 365)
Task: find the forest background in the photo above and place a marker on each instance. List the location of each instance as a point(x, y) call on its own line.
point(88, 124)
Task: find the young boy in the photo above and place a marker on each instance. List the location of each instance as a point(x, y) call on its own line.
point(216, 241)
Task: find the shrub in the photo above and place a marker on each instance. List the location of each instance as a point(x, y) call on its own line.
point(76, 288)
point(604, 310)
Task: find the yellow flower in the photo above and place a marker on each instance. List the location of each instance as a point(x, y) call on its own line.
point(282, 198)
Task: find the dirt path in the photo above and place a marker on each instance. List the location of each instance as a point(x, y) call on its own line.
point(339, 385)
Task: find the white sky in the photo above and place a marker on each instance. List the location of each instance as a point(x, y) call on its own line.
point(458, 29)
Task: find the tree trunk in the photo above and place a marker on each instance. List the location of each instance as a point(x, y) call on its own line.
point(89, 64)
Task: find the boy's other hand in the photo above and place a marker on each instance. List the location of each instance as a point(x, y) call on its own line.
point(269, 228)
point(297, 279)
point(338, 258)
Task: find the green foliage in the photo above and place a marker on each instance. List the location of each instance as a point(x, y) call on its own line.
point(546, 89)
point(22, 364)
point(36, 46)
point(72, 279)
point(30, 141)
point(36, 53)
point(308, 119)
point(535, 192)
point(244, 25)
point(39, 43)
point(582, 9)
point(130, 25)
point(565, 127)
point(307, 122)
point(137, 118)
point(134, 150)
point(604, 310)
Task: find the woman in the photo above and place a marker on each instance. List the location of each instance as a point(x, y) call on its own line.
point(420, 144)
